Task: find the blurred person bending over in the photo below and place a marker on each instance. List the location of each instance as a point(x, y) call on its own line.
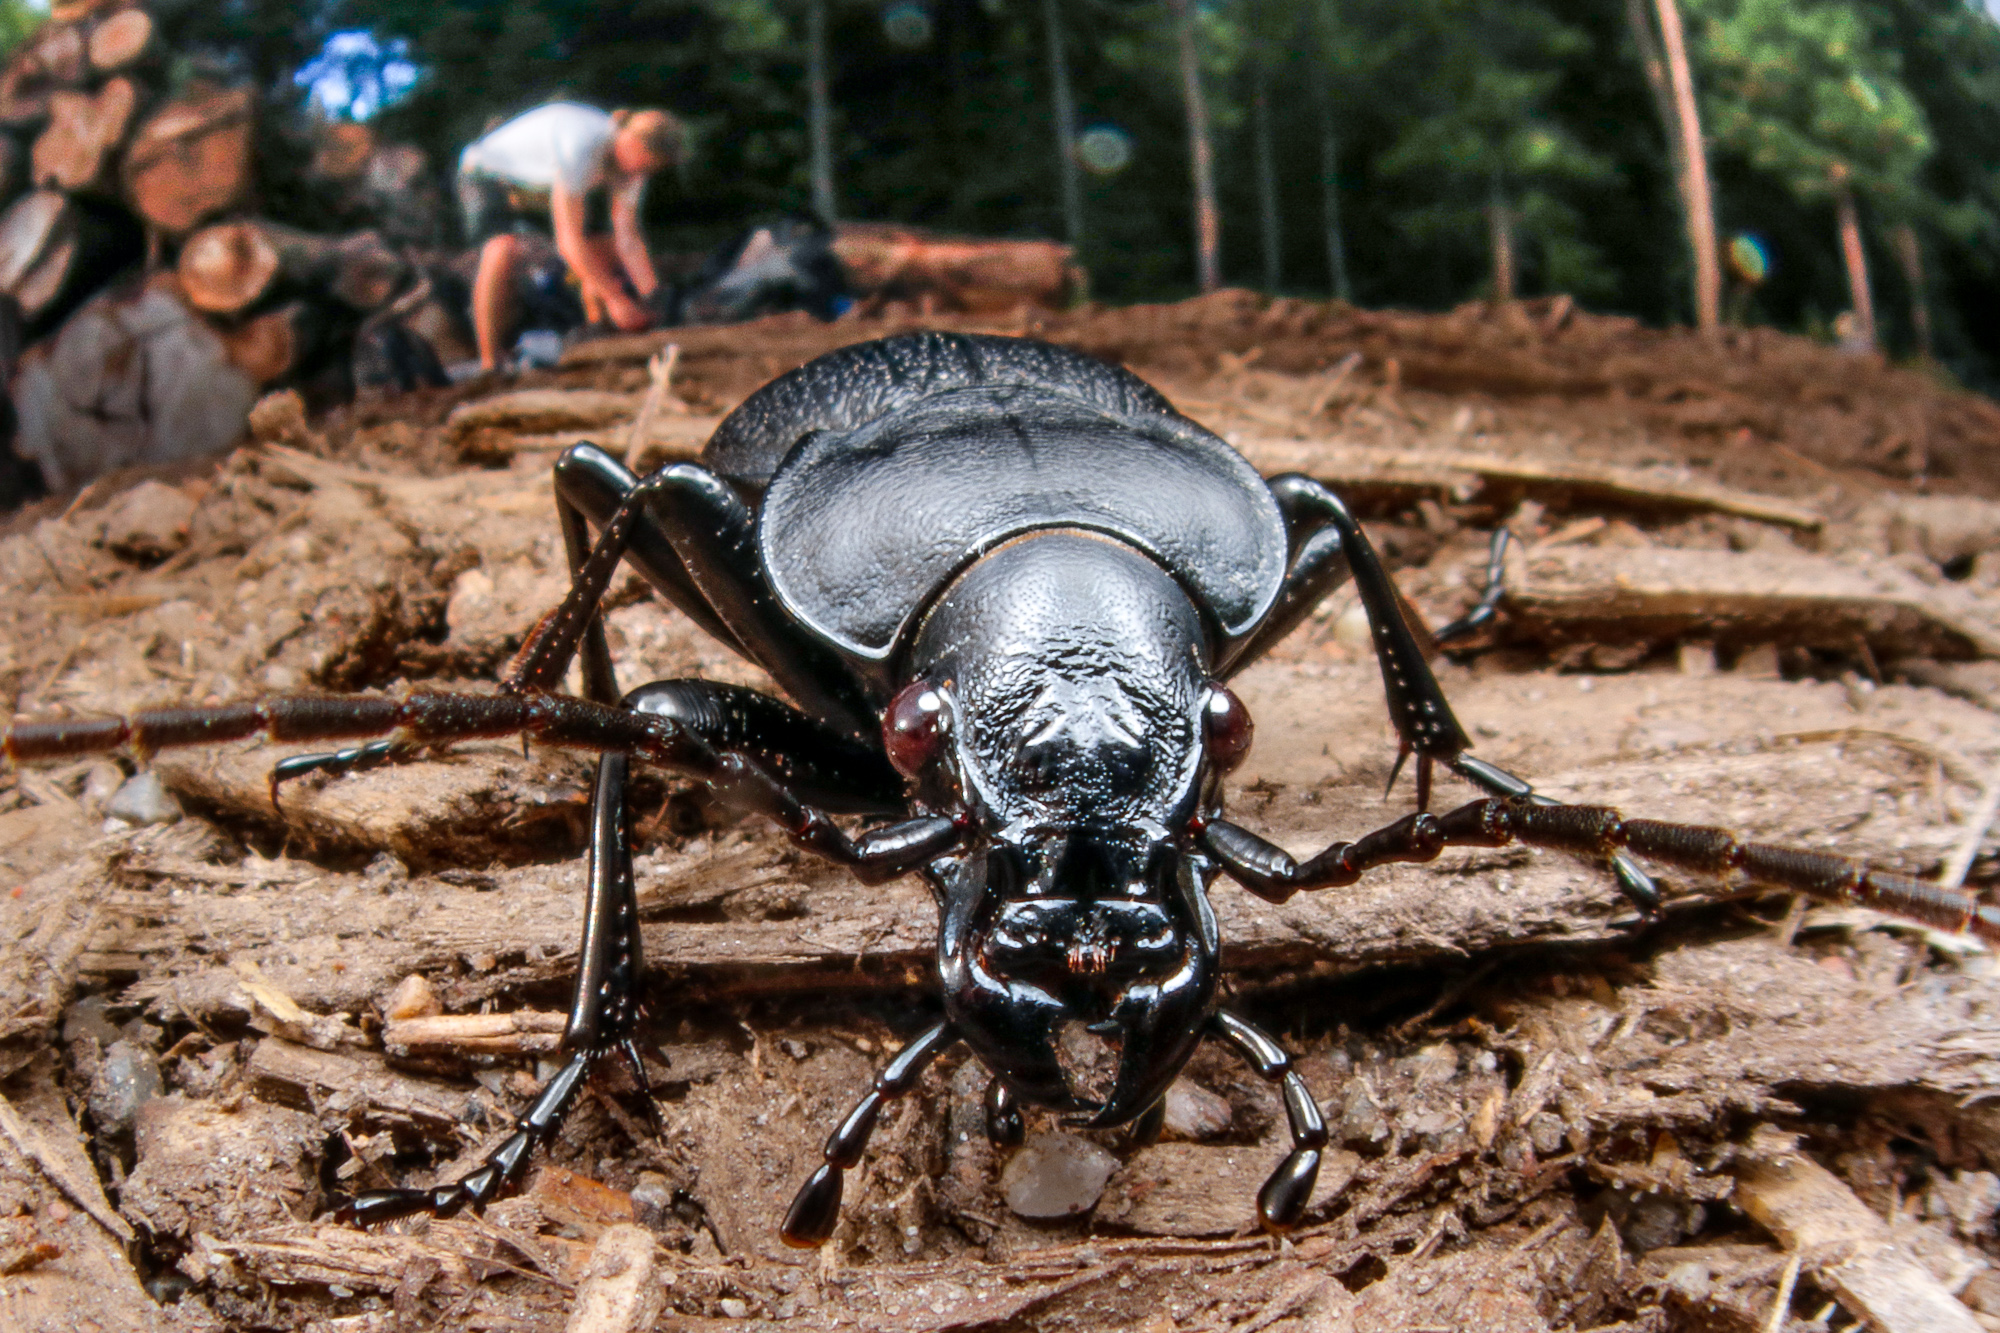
point(584, 172)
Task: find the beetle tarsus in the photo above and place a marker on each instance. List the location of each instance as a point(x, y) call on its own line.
point(816, 1207)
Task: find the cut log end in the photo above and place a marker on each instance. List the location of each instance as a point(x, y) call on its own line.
point(120, 41)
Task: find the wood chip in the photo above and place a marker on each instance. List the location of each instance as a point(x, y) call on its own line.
point(1660, 596)
point(1842, 1241)
point(620, 1291)
point(1566, 484)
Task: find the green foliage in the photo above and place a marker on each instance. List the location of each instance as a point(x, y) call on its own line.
point(17, 20)
point(1804, 92)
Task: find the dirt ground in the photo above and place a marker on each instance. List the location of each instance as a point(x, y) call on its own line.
point(1756, 583)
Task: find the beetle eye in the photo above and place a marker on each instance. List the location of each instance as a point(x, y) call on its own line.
point(1229, 728)
point(913, 727)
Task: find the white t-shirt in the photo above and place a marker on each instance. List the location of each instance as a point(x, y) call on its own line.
point(563, 141)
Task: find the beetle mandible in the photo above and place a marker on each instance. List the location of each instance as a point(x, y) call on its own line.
point(1004, 586)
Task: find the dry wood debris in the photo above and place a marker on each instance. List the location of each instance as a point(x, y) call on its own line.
point(1540, 1121)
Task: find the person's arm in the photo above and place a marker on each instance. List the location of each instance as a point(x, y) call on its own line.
point(566, 211)
point(627, 240)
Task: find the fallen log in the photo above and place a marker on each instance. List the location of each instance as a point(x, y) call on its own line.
point(272, 345)
point(228, 268)
point(957, 273)
point(27, 229)
point(191, 159)
point(130, 379)
point(121, 41)
point(84, 132)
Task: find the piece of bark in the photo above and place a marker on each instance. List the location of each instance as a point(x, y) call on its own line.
point(303, 1078)
point(516, 1032)
point(1659, 596)
point(1842, 1241)
point(75, 151)
point(272, 345)
point(130, 379)
point(121, 40)
point(191, 159)
point(49, 60)
point(1501, 481)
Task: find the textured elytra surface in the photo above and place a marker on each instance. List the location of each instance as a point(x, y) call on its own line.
point(1538, 1120)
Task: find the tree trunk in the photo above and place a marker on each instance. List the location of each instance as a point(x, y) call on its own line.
point(1329, 181)
point(121, 41)
point(1660, 84)
point(1065, 126)
point(1856, 260)
point(272, 345)
point(1910, 254)
point(1694, 175)
point(191, 159)
point(130, 379)
point(1500, 223)
point(84, 133)
point(819, 111)
point(229, 267)
point(1267, 176)
point(1207, 218)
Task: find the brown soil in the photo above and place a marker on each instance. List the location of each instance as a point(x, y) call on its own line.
point(1541, 1119)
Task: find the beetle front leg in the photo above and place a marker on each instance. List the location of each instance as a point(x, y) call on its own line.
point(1595, 832)
point(1285, 1195)
point(603, 1015)
point(816, 1208)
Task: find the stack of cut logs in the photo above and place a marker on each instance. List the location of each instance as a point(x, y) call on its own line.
point(156, 305)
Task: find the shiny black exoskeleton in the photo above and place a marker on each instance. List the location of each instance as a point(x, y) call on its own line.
point(1004, 586)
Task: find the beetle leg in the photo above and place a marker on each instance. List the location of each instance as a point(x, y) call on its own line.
point(1284, 1197)
point(1005, 1126)
point(1483, 612)
point(816, 1207)
point(1417, 706)
point(603, 1014)
point(1598, 832)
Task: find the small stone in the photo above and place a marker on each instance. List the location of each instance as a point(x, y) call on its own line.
point(128, 1078)
point(653, 1198)
point(1352, 630)
point(1545, 1131)
point(412, 998)
point(148, 523)
point(100, 784)
point(1193, 1112)
point(145, 800)
point(89, 1017)
point(735, 1307)
point(1056, 1175)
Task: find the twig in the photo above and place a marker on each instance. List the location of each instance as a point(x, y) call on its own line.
point(660, 374)
point(1960, 861)
point(1783, 1300)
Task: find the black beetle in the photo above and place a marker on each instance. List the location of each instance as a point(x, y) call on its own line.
point(1004, 586)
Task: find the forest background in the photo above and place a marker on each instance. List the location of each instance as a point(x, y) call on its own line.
point(1363, 149)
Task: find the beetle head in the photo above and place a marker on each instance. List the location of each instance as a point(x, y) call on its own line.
point(1059, 702)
